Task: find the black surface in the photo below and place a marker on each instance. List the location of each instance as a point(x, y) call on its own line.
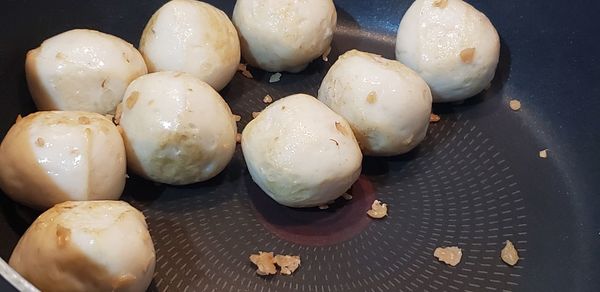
point(475, 182)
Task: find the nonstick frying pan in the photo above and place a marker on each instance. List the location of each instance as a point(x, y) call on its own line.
point(475, 181)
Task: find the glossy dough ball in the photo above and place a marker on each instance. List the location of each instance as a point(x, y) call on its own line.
point(87, 246)
point(454, 47)
point(387, 104)
point(177, 129)
point(194, 37)
point(52, 157)
point(301, 153)
point(284, 35)
point(82, 70)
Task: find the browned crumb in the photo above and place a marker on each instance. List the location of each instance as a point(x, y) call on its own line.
point(509, 254)
point(341, 128)
point(434, 118)
point(40, 142)
point(264, 262)
point(287, 263)
point(372, 97)
point(132, 99)
point(118, 113)
point(255, 114)
point(244, 70)
point(237, 118)
point(515, 105)
point(103, 83)
point(238, 137)
point(267, 99)
point(467, 55)
point(275, 78)
point(325, 55)
point(60, 56)
point(19, 117)
point(440, 3)
point(378, 210)
point(449, 255)
point(544, 154)
point(83, 120)
point(63, 235)
point(324, 207)
point(347, 196)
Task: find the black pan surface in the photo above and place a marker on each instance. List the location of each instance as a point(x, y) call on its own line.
point(475, 182)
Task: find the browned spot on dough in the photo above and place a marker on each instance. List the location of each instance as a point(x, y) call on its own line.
point(83, 120)
point(40, 142)
point(341, 128)
point(178, 74)
point(126, 58)
point(103, 83)
point(440, 3)
point(132, 99)
point(63, 236)
point(372, 97)
point(60, 56)
point(467, 55)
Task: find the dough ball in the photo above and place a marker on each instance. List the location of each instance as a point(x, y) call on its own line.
point(301, 153)
point(387, 104)
point(454, 47)
point(194, 37)
point(83, 70)
point(284, 35)
point(87, 246)
point(52, 157)
point(177, 129)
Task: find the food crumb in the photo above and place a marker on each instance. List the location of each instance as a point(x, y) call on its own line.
point(83, 120)
point(275, 78)
point(267, 99)
point(341, 128)
point(378, 210)
point(509, 254)
point(347, 196)
point(323, 207)
point(118, 113)
point(440, 3)
point(40, 142)
point(237, 118)
point(264, 262)
point(544, 154)
point(238, 137)
point(244, 70)
point(434, 118)
point(325, 55)
point(287, 263)
point(449, 255)
point(515, 105)
point(255, 114)
point(126, 175)
point(372, 97)
point(467, 55)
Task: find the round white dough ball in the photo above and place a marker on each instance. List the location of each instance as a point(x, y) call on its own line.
point(87, 246)
point(284, 35)
point(83, 70)
point(56, 156)
point(194, 37)
point(387, 104)
point(454, 47)
point(301, 153)
point(177, 129)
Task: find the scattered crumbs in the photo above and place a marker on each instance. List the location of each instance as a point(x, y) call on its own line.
point(440, 3)
point(237, 118)
point(325, 55)
point(275, 78)
point(238, 137)
point(324, 207)
point(509, 254)
point(434, 118)
point(372, 97)
point(287, 263)
point(544, 154)
point(244, 70)
point(449, 255)
point(255, 114)
point(264, 262)
point(19, 117)
point(347, 196)
point(378, 210)
point(40, 142)
point(467, 55)
point(267, 99)
point(514, 104)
